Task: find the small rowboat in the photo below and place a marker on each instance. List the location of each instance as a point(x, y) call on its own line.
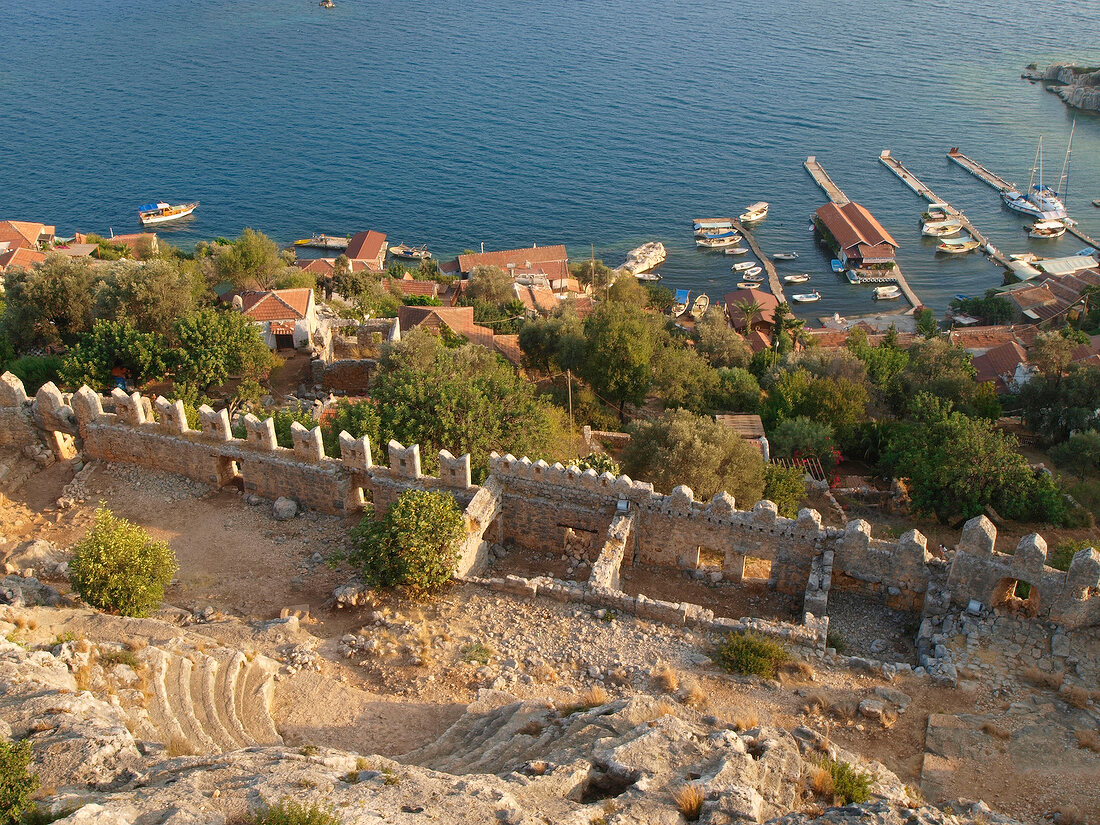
point(716, 243)
point(700, 306)
point(737, 250)
point(785, 256)
point(748, 276)
point(941, 229)
point(748, 285)
point(959, 247)
point(648, 276)
point(680, 302)
point(797, 279)
point(410, 253)
point(887, 293)
point(807, 297)
point(753, 273)
point(853, 277)
point(743, 265)
point(836, 265)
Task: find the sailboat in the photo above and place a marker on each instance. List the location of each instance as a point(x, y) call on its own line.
point(1041, 202)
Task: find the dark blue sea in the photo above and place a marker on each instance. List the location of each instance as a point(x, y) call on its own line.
point(601, 124)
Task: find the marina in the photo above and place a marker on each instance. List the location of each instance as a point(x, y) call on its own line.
point(774, 283)
point(915, 183)
point(860, 276)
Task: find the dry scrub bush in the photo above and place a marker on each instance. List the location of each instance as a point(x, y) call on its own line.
point(745, 721)
point(664, 707)
point(795, 670)
point(996, 731)
point(666, 679)
point(693, 695)
point(689, 801)
point(1089, 739)
point(816, 703)
point(545, 673)
point(594, 697)
point(1077, 697)
point(889, 718)
point(1070, 816)
point(821, 782)
point(1051, 681)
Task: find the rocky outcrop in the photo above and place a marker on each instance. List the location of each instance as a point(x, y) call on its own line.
point(1078, 86)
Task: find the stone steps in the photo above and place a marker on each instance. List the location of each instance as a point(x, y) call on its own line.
point(230, 664)
point(160, 711)
point(204, 679)
point(254, 701)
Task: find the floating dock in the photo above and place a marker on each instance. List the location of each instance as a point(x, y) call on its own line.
point(915, 183)
point(822, 179)
point(774, 283)
point(837, 196)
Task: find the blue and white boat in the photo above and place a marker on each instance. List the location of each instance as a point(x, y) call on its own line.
point(681, 302)
point(837, 265)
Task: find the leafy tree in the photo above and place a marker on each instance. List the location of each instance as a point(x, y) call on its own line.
point(465, 399)
point(110, 344)
point(250, 261)
point(927, 325)
point(106, 249)
point(719, 343)
point(428, 270)
point(885, 363)
point(292, 277)
point(555, 343)
point(786, 486)
point(491, 284)
point(151, 296)
point(838, 402)
point(284, 417)
point(1054, 407)
point(49, 304)
point(119, 568)
point(957, 465)
point(428, 301)
point(1051, 353)
point(504, 318)
point(620, 347)
point(17, 783)
point(802, 437)
point(661, 298)
point(215, 344)
point(628, 290)
point(939, 368)
point(683, 448)
point(682, 377)
point(992, 309)
point(592, 273)
point(36, 370)
point(737, 390)
point(415, 544)
point(357, 419)
point(1080, 454)
point(786, 329)
point(750, 310)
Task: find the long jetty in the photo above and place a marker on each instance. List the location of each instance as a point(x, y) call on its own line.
point(821, 177)
point(774, 282)
point(1000, 184)
point(837, 196)
point(915, 183)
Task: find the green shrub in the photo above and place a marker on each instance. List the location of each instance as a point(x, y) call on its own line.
point(477, 653)
point(118, 568)
point(1061, 557)
point(36, 370)
point(292, 812)
point(786, 486)
point(1079, 454)
point(16, 782)
point(750, 654)
point(849, 785)
point(600, 462)
point(415, 544)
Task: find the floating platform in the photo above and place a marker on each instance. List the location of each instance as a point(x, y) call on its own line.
point(980, 172)
point(774, 283)
point(822, 179)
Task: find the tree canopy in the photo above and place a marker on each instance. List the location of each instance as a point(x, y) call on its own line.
point(215, 344)
point(141, 356)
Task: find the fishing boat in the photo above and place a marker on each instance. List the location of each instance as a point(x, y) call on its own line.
point(755, 212)
point(717, 233)
point(807, 297)
point(736, 250)
point(1047, 229)
point(748, 285)
point(1026, 257)
point(785, 256)
point(797, 279)
point(324, 242)
point(941, 229)
point(151, 214)
point(836, 265)
point(327, 4)
point(887, 293)
point(933, 215)
point(644, 258)
point(716, 243)
point(410, 253)
point(853, 277)
point(743, 266)
point(1096, 203)
point(700, 306)
point(753, 273)
point(711, 224)
point(680, 302)
point(1041, 202)
point(958, 246)
point(648, 276)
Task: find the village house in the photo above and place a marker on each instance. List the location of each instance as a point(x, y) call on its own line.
point(1005, 366)
point(19, 257)
point(368, 249)
point(458, 321)
point(25, 235)
point(1055, 296)
point(540, 266)
point(287, 317)
point(856, 237)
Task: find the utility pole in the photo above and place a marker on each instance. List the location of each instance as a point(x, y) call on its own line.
point(569, 391)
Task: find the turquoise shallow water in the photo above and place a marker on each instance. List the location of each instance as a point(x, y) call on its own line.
point(604, 124)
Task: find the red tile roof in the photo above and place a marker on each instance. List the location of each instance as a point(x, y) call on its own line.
point(537, 299)
point(413, 287)
point(319, 266)
point(21, 256)
point(276, 304)
point(459, 320)
point(758, 341)
point(854, 226)
point(366, 246)
point(522, 258)
point(23, 233)
point(999, 364)
point(508, 346)
point(765, 299)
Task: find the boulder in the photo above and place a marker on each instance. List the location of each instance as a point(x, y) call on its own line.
point(285, 508)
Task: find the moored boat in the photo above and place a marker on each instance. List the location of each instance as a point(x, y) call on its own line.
point(742, 266)
point(753, 273)
point(755, 212)
point(836, 265)
point(324, 242)
point(957, 247)
point(1047, 229)
point(736, 250)
point(797, 279)
point(941, 229)
point(711, 224)
point(151, 214)
point(680, 302)
point(807, 297)
point(785, 256)
point(748, 285)
point(700, 306)
point(887, 293)
point(648, 276)
point(410, 253)
point(853, 277)
point(717, 233)
point(716, 243)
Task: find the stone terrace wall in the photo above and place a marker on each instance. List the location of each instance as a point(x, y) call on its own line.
point(16, 422)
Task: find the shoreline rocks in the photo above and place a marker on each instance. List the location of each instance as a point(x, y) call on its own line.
point(1078, 86)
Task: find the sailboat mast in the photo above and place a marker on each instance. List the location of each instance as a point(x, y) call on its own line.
point(1035, 165)
point(1063, 181)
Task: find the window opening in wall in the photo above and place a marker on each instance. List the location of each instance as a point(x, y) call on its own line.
point(1016, 595)
point(711, 559)
point(757, 569)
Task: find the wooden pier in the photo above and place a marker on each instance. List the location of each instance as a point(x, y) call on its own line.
point(774, 282)
point(1073, 230)
point(977, 170)
point(822, 179)
point(915, 183)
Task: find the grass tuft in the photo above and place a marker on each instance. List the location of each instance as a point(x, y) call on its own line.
point(689, 801)
point(751, 654)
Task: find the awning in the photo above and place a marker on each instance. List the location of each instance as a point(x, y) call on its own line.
point(282, 327)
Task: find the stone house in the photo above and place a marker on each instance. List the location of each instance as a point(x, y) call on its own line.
point(287, 317)
point(26, 235)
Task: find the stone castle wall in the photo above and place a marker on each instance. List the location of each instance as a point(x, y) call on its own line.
point(536, 506)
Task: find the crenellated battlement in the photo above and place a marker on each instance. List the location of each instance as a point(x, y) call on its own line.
point(534, 505)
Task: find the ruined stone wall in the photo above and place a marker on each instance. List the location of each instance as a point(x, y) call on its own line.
point(348, 375)
point(895, 574)
point(17, 427)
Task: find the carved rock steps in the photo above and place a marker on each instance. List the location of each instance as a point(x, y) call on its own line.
point(209, 703)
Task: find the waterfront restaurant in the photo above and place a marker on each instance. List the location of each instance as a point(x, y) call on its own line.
point(856, 238)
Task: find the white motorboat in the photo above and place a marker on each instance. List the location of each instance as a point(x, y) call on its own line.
point(1047, 229)
point(941, 229)
point(797, 279)
point(785, 256)
point(716, 243)
point(756, 212)
point(743, 266)
point(959, 246)
point(807, 297)
point(753, 273)
point(151, 214)
point(737, 250)
point(748, 285)
point(700, 306)
point(887, 293)
point(648, 276)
